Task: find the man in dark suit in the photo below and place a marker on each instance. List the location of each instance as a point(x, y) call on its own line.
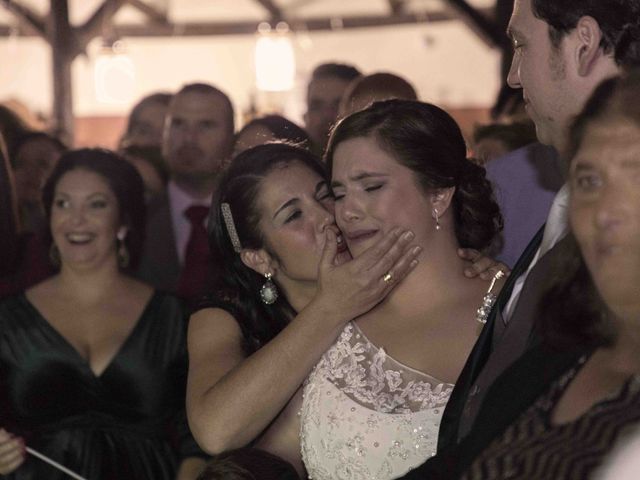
point(563, 50)
point(197, 141)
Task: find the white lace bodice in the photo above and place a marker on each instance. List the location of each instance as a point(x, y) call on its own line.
point(365, 415)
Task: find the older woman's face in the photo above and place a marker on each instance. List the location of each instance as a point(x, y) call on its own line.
point(605, 211)
point(84, 219)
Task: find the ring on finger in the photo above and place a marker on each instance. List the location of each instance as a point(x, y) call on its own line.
point(388, 277)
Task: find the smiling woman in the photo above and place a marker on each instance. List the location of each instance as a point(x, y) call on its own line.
point(72, 347)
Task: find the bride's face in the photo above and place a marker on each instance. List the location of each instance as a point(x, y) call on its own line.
point(374, 193)
point(296, 209)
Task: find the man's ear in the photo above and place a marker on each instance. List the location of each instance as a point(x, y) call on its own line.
point(257, 260)
point(588, 35)
point(441, 199)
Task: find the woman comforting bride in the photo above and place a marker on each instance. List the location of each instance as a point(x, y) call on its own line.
point(380, 338)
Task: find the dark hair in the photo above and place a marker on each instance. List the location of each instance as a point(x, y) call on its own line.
point(9, 225)
point(151, 154)
point(425, 139)
point(206, 89)
point(161, 98)
point(619, 21)
point(124, 181)
point(282, 129)
point(572, 312)
point(377, 86)
point(240, 186)
point(11, 127)
point(28, 136)
point(614, 97)
point(342, 71)
point(513, 135)
point(248, 464)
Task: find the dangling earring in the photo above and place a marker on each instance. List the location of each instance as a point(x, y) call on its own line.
point(268, 292)
point(54, 255)
point(435, 213)
point(123, 252)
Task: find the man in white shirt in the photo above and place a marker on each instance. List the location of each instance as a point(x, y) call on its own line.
point(562, 51)
point(197, 142)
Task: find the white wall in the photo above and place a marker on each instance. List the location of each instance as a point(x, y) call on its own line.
point(446, 62)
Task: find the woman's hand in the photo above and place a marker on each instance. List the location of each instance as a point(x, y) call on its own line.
point(355, 287)
point(12, 452)
point(481, 266)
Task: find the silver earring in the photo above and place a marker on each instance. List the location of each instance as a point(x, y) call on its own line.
point(435, 212)
point(268, 292)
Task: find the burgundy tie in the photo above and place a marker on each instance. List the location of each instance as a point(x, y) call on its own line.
point(195, 277)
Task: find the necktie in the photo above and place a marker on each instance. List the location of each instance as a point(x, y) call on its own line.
point(195, 277)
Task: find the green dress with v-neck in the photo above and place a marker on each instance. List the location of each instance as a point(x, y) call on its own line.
point(126, 423)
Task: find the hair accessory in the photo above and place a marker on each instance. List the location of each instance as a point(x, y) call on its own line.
point(388, 277)
point(268, 292)
point(231, 227)
point(435, 213)
point(488, 300)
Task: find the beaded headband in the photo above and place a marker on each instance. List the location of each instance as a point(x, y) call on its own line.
point(231, 227)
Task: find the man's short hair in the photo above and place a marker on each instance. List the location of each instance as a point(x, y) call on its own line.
point(339, 70)
point(619, 21)
point(206, 89)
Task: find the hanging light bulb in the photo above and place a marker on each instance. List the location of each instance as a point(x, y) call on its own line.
point(114, 75)
point(274, 58)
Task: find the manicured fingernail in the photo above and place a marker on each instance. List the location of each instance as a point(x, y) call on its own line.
point(416, 250)
point(413, 263)
point(408, 235)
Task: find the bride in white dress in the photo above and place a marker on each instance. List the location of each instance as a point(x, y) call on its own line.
point(372, 405)
point(273, 216)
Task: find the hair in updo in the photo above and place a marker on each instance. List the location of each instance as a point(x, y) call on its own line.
point(425, 139)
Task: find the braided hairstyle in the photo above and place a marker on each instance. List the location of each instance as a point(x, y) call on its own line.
point(238, 285)
point(425, 139)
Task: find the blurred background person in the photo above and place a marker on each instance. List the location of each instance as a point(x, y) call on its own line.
point(151, 166)
point(324, 91)
point(495, 140)
point(197, 143)
point(33, 156)
point(269, 128)
point(366, 89)
point(73, 346)
point(146, 121)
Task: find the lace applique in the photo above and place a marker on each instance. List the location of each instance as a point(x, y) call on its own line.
point(369, 376)
point(365, 416)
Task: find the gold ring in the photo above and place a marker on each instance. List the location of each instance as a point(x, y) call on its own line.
point(388, 277)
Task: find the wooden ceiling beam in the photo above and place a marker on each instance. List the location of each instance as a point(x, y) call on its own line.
point(152, 13)
point(244, 28)
point(98, 23)
point(28, 17)
point(479, 21)
point(397, 6)
point(272, 8)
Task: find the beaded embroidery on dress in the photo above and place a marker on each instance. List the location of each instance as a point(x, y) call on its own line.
point(366, 416)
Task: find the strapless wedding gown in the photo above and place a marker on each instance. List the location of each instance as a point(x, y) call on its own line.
point(366, 416)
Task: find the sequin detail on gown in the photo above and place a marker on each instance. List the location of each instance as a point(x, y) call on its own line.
point(366, 416)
